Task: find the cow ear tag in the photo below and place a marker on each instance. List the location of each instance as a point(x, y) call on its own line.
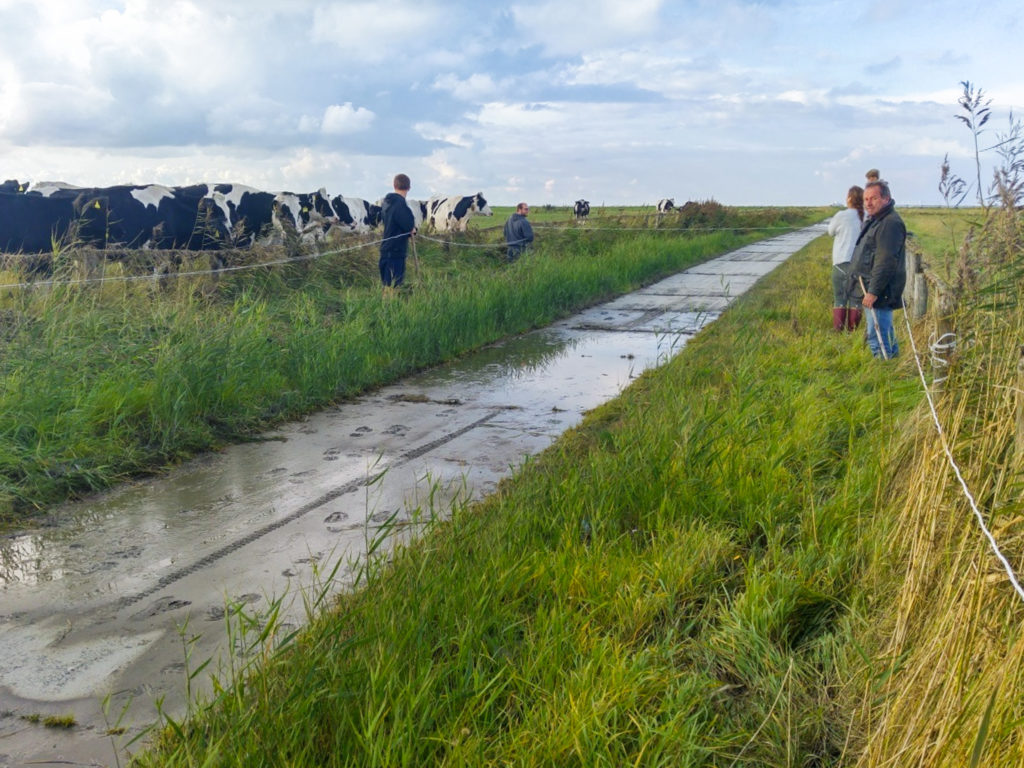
point(96, 204)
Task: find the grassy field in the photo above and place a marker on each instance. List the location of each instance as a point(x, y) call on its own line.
point(101, 381)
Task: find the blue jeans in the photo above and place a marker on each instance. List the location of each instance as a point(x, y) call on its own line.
point(881, 319)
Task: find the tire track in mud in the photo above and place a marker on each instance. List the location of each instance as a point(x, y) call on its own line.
point(353, 485)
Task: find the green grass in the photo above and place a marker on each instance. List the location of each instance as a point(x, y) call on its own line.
point(102, 382)
point(938, 232)
point(678, 582)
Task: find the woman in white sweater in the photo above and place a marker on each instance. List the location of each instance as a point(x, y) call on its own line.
point(845, 227)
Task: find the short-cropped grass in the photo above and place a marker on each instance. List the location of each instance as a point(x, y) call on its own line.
point(678, 582)
point(103, 380)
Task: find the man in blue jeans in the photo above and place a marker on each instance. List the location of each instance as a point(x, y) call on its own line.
point(878, 271)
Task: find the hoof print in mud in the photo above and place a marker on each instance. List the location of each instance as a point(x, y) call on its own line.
point(217, 612)
point(336, 517)
point(396, 429)
point(361, 431)
point(384, 515)
point(163, 605)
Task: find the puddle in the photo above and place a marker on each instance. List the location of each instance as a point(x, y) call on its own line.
point(105, 600)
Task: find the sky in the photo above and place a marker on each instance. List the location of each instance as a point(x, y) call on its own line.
point(619, 102)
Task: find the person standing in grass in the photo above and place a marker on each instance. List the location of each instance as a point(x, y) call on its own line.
point(872, 175)
point(518, 232)
point(878, 271)
point(844, 227)
point(399, 226)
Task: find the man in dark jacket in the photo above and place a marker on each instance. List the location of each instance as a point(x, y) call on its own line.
point(878, 269)
point(518, 232)
point(399, 226)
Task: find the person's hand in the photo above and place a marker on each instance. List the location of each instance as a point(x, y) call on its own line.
point(869, 300)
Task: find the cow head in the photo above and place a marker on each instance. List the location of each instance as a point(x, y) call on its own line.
point(480, 205)
point(342, 215)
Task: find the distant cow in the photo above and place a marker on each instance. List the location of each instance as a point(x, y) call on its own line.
point(666, 205)
point(581, 210)
point(12, 187)
point(37, 224)
point(447, 214)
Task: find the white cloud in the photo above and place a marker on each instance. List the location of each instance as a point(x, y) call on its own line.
point(476, 86)
point(456, 134)
point(569, 28)
point(344, 118)
point(363, 32)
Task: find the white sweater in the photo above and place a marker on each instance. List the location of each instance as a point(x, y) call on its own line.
point(844, 227)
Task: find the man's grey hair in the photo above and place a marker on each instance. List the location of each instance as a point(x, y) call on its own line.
point(883, 188)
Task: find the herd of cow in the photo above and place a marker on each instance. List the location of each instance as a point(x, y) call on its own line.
point(37, 217)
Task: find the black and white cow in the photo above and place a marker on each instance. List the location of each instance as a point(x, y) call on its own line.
point(419, 211)
point(355, 214)
point(247, 212)
point(38, 224)
point(581, 209)
point(665, 205)
point(448, 214)
point(309, 215)
point(147, 216)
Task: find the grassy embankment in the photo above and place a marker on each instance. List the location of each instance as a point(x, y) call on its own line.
point(691, 577)
point(102, 381)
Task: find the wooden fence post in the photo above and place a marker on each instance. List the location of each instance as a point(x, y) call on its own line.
point(944, 346)
point(919, 308)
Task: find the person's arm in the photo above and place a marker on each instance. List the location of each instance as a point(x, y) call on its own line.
point(833, 224)
point(527, 232)
point(405, 220)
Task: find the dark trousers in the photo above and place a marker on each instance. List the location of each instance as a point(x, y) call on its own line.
point(392, 270)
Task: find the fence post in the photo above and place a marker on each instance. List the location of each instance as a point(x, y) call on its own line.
point(944, 345)
point(919, 307)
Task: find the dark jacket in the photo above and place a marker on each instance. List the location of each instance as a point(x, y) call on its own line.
point(518, 234)
point(397, 219)
point(879, 259)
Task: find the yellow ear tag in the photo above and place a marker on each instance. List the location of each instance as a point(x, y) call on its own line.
point(96, 204)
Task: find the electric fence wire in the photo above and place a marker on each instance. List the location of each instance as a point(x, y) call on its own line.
point(360, 246)
point(950, 344)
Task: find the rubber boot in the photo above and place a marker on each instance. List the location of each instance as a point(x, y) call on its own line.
point(838, 318)
point(853, 319)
